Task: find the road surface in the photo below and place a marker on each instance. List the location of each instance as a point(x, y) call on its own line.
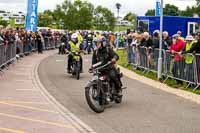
point(144, 109)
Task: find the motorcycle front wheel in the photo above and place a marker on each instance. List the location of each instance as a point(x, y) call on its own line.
point(94, 99)
point(78, 71)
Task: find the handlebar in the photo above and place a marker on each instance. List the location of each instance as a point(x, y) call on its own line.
point(101, 67)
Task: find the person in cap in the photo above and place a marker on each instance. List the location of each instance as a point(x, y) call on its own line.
point(195, 49)
point(196, 45)
point(180, 35)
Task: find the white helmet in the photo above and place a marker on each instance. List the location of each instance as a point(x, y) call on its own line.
point(74, 36)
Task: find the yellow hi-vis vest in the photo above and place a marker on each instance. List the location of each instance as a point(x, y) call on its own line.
point(189, 57)
point(74, 47)
point(80, 39)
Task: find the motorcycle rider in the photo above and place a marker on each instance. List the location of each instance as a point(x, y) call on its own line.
point(104, 54)
point(74, 46)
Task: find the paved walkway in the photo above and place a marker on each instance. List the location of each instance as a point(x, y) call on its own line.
point(23, 106)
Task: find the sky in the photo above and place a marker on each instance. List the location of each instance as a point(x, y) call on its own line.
point(137, 6)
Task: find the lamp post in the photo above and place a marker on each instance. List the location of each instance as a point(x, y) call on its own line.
point(160, 48)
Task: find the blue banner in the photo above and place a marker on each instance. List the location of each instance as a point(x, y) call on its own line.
point(157, 11)
point(32, 15)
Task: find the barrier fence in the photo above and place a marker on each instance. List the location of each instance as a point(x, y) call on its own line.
point(182, 68)
point(197, 59)
point(9, 52)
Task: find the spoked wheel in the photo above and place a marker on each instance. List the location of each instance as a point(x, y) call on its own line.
point(94, 99)
point(78, 71)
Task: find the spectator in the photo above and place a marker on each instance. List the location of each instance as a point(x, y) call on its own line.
point(148, 41)
point(180, 35)
point(196, 49)
point(112, 39)
point(189, 74)
point(166, 40)
point(177, 46)
point(39, 42)
point(156, 40)
point(130, 48)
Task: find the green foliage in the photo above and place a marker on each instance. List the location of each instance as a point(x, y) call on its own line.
point(104, 19)
point(150, 12)
point(73, 14)
point(198, 2)
point(45, 18)
point(3, 22)
point(170, 10)
point(132, 18)
point(77, 14)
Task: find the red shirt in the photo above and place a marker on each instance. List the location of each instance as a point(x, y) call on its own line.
point(177, 47)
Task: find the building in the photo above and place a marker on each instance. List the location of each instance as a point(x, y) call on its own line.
point(172, 24)
point(18, 17)
point(121, 22)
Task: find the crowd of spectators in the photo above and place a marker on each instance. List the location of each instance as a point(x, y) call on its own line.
point(179, 50)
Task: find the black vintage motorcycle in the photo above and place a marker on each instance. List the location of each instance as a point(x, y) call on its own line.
point(100, 91)
point(89, 47)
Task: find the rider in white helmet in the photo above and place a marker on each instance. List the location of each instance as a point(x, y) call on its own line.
point(74, 46)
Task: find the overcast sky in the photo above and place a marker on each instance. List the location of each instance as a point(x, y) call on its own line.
point(137, 6)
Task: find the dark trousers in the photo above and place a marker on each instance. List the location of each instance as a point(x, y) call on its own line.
point(178, 70)
point(39, 43)
point(189, 74)
point(115, 78)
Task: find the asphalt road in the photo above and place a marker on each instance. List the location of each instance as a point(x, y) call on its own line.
point(144, 109)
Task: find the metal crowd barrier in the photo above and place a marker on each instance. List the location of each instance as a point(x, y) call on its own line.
point(174, 65)
point(197, 71)
point(2, 55)
point(34, 45)
point(179, 69)
point(146, 59)
point(7, 54)
point(50, 43)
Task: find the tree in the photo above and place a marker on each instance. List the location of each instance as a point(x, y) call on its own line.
point(188, 12)
point(198, 2)
point(150, 12)
point(171, 10)
point(45, 19)
point(73, 14)
point(3, 22)
point(118, 6)
point(104, 19)
point(131, 17)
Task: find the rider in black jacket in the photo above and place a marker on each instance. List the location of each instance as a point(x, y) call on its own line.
point(105, 54)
